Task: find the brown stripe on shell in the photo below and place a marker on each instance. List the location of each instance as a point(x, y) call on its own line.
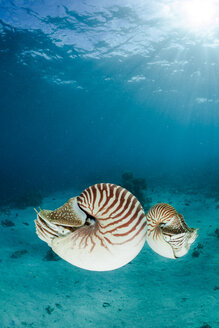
point(116, 201)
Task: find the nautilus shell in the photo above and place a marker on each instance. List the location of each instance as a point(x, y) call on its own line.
point(102, 229)
point(167, 232)
point(105, 228)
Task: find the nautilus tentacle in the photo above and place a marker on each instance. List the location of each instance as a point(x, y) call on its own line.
point(167, 233)
point(102, 229)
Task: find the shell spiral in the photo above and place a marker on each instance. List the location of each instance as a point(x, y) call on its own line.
point(102, 229)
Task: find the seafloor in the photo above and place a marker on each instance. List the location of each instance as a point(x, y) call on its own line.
point(38, 289)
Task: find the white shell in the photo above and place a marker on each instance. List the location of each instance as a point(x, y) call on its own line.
point(112, 235)
point(105, 228)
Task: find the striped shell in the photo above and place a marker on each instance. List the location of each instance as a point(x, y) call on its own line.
point(167, 233)
point(102, 229)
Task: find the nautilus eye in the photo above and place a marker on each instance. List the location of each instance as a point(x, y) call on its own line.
point(102, 229)
point(167, 233)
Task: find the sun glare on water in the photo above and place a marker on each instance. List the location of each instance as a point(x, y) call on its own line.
point(200, 16)
point(199, 13)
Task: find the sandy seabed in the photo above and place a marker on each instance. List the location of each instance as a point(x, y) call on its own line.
point(38, 289)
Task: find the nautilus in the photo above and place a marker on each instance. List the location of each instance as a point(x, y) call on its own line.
point(167, 233)
point(105, 228)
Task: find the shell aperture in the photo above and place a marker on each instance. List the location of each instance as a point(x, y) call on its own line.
point(102, 229)
point(167, 233)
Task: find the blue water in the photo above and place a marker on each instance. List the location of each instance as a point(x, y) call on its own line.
point(91, 89)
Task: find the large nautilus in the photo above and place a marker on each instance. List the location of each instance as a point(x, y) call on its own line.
point(105, 228)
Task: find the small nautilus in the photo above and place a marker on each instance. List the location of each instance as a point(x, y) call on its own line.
point(105, 228)
point(167, 232)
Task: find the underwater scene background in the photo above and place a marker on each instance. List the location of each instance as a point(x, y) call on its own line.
point(124, 92)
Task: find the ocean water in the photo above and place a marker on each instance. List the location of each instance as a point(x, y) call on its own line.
point(90, 91)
